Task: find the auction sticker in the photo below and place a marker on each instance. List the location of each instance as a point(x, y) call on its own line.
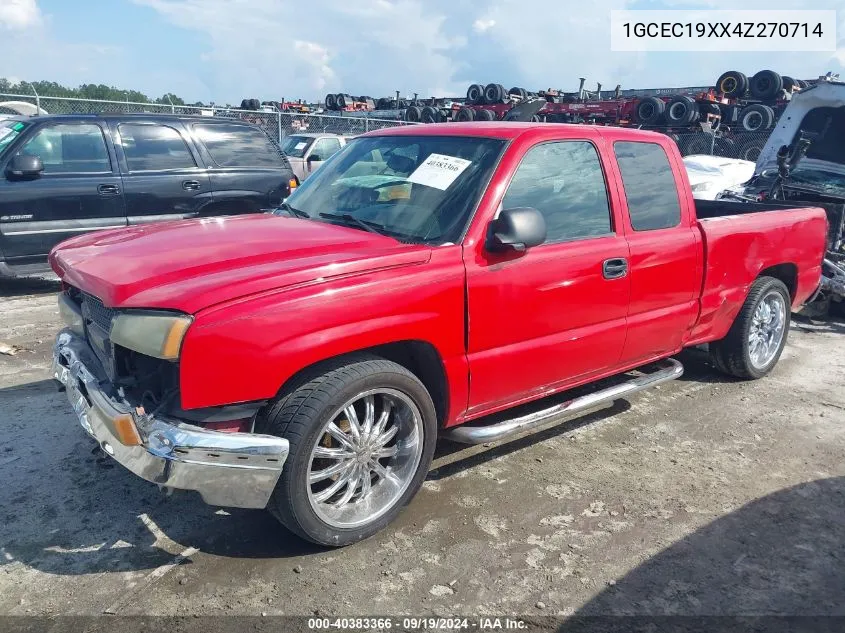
point(439, 171)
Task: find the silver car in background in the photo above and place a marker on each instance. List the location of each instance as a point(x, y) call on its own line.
point(306, 151)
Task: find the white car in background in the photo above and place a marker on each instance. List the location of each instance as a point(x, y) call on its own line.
point(710, 175)
point(306, 151)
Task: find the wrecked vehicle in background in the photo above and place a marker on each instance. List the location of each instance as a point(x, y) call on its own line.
point(710, 175)
point(804, 162)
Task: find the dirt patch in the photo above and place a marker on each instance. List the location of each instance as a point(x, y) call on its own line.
point(705, 496)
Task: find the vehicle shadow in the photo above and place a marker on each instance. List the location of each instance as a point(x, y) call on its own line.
point(451, 457)
point(783, 554)
point(68, 509)
point(831, 323)
point(11, 287)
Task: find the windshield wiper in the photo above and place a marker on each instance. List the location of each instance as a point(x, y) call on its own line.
point(367, 225)
point(294, 212)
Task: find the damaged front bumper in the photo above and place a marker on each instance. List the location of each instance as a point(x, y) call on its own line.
point(227, 469)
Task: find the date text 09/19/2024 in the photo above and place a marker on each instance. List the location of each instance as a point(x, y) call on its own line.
point(417, 623)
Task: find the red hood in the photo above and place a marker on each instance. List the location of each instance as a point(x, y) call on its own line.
point(193, 264)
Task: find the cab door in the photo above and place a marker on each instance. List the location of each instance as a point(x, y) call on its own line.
point(79, 190)
point(543, 317)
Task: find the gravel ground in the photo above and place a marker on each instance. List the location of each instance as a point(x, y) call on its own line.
point(704, 496)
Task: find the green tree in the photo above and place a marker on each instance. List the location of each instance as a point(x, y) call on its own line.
point(100, 92)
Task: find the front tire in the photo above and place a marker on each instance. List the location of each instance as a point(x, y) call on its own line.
point(757, 337)
point(362, 433)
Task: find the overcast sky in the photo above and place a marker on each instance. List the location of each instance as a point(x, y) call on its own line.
point(226, 50)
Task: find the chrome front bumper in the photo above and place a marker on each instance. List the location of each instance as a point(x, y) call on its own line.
point(227, 469)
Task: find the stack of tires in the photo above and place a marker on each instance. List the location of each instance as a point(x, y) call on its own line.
point(766, 85)
point(341, 101)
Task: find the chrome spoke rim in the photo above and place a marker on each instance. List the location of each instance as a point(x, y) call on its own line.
point(768, 326)
point(364, 458)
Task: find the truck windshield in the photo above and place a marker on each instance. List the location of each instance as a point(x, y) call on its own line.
point(420, 189)
point(296, 146)
point(9, 131)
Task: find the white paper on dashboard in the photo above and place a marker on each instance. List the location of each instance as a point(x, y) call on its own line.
point(439, 171)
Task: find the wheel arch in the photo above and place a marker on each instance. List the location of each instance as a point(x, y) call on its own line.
point(419, 357)
point(786, 272)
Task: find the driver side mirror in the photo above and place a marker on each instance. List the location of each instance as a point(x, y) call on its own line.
point(25, 166)
point(517, 229)
point(315, 157)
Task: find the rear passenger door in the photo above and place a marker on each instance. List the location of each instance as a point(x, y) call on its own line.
point(665, 252)
point(163, 179)
point(78, 191)
point(249, 174)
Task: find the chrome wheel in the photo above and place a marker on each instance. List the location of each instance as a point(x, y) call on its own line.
point(365, 458)
point(767, 329)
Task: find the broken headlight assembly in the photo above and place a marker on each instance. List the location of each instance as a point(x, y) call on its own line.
point(156, 334)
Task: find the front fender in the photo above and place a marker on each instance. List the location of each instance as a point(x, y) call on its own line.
point(248, 349)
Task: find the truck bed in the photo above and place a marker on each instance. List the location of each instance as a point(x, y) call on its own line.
point(743, 240)
point(708, 209)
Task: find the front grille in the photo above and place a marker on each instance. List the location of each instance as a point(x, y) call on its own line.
point(99, 314)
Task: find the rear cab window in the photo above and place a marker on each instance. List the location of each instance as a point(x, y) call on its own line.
point(649, 184)
point(232, 145)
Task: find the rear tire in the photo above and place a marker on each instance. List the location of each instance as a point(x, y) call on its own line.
point(650, 110)
point(303, 413)
point(732, 83)
point(475, 94)
point(430, 114)
point(756, 118)
point(758, 335)
point(681, 110)
point(766, 85)
point(465, 114)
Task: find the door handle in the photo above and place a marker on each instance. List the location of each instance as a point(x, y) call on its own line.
point(190, 185)
point(614, 268)
point(108, 190)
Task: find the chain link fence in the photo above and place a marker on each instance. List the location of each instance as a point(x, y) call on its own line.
point(277, 124)
point(724, 142)
point(743, 145)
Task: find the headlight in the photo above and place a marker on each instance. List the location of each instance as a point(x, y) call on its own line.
point(70, 313)
point(704, 186)
point(158, 335)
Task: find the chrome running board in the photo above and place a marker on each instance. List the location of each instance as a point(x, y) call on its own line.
point(493, 432)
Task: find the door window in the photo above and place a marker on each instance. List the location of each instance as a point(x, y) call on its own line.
point(149, 147)
point(70, 148)
point(649, 185)
point(563, 181)
point(232, 145)
point(325, 147)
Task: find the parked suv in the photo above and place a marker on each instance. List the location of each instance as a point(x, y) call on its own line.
point(63, 175)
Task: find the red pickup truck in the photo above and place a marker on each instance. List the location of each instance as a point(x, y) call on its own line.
point(424, 278)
